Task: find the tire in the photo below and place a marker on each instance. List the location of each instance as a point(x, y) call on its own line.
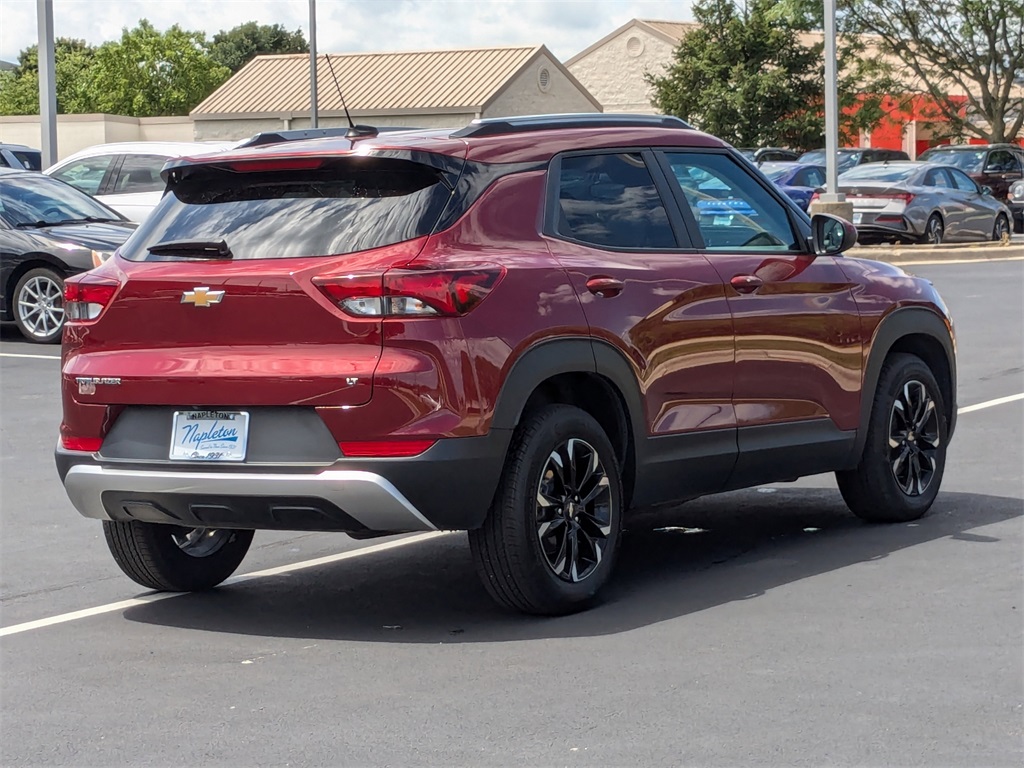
point(518, 550)
point(1001, 228)
point(150, 554)
point(38, 305)
point(934, 230)
point(882, 488)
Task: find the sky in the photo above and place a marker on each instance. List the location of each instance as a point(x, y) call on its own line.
point(566, 27)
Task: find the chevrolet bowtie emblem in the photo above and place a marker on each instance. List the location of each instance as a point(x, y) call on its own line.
point(202, 297)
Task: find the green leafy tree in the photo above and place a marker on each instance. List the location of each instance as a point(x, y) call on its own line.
point(971, 48)
point(148, 72)
point(19, 88)
point(745, 75)
point(234, 48)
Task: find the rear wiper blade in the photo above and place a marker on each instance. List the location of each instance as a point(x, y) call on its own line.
point(203, 249)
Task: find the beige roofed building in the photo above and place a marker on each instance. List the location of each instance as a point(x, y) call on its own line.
point(430, 89)
point(613, 68)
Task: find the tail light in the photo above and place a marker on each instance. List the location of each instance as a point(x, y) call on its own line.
point(86, 296)
point(412, 292)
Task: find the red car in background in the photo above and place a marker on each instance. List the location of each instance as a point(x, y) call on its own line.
point(523, 329)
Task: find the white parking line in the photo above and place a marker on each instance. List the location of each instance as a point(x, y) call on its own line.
point(34, 357)
point(990, 403)
point(935, 262)
point(64, 618)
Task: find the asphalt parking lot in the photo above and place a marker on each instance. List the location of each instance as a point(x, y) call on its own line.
point(764, 627)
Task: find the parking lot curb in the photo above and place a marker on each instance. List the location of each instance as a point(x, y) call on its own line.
point(974, 251)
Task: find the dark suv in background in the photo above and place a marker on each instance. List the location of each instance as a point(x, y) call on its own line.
point(524, 329)
point(995, 166)
point(849, 158)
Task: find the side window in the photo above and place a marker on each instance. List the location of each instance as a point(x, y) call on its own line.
point(140, 173)
point(86, 174)
point(610, 200)
point(3, 161)
point(962, 181)
point(937, 177)
point(732, 210)
point(815, 178)
point(1001, 161)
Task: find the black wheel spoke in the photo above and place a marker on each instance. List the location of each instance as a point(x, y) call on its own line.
point(573, 510)
point(913, 436)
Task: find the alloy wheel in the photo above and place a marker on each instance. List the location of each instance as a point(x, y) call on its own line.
point(935, 231)
point(574, 510)
point(913, 438)
point(41, 306)
point(201, 542)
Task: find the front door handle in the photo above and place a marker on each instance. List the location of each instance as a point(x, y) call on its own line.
point(605, 287)
point(746, 283)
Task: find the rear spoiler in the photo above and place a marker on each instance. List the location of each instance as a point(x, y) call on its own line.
point(355, 132)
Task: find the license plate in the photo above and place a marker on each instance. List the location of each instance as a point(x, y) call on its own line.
point(209, 435)
point(857, 218)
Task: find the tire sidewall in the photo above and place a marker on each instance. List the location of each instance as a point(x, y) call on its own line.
point(560, 423)
point(32, 273)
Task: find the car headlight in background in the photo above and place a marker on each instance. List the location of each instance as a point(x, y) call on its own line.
point(98, 257)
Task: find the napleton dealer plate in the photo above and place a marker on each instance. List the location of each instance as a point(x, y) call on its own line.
point(209, 435)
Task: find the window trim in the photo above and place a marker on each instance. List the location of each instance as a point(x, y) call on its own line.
point(795, 216)
point(549, 226)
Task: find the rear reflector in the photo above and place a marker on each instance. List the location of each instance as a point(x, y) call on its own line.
point(450, 292)
point(90, 444)
point(386, 448)
point(86, 296)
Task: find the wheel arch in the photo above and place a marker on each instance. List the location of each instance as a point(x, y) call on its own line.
point(579, 371)
point(920, 332)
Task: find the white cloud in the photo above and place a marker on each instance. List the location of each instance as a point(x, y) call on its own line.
point(565, 26)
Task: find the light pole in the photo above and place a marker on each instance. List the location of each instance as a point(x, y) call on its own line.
point(313, 123)
point(47, 84)
point(831, 201)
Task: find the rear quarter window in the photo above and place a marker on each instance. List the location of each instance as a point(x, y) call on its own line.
point(346, 205)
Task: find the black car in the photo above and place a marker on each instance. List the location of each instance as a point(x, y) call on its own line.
point(48, 231)
point(769, 154)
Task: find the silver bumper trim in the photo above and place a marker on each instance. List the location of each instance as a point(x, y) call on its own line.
point(367, 497)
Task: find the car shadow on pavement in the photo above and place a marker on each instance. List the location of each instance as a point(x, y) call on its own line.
point(697, 556)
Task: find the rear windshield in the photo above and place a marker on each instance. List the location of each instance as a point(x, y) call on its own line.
point(964, 159)
point(347, 205)
point(879, 172)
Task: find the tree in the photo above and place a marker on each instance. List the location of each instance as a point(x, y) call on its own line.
point(19, 88)
point(234, 48)
point(974, 47)
point(148, 72)
point(744, 75)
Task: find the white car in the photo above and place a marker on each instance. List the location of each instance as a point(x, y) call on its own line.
point(126, 175)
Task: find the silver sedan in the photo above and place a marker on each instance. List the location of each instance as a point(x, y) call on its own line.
point(923, 202)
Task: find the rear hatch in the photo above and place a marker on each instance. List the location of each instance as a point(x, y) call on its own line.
point(218, 298)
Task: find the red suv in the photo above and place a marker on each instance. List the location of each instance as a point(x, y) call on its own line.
point(524, 329)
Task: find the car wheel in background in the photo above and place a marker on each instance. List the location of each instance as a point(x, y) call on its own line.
point(1001, 229)
point(171, 558)
point(39, 305)
point(934, 230)
point(904, 456)
point(550, 540)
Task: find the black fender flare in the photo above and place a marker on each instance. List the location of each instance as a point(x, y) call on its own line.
point(907, 321)
point(569, 354)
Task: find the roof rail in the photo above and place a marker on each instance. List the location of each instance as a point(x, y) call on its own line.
point(356, 132)
point(493, 126)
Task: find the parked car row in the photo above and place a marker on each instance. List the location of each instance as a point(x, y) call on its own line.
point(94, 198)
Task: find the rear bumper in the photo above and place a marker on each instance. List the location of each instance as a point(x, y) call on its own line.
point(449, 487)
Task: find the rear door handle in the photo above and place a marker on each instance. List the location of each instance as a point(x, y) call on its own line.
point(605, 287)
point(746, 283)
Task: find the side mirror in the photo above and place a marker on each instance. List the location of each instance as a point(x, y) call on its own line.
point(831, 235)
point(986, 190)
